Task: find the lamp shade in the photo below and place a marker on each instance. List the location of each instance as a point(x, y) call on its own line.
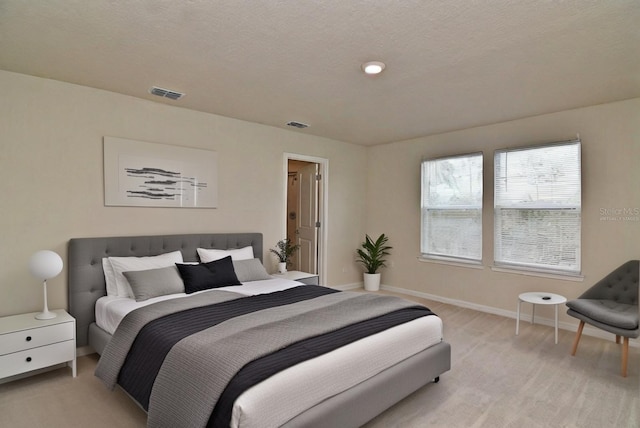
point(45, 264)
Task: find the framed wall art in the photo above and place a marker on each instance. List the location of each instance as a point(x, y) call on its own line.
point(145, 174)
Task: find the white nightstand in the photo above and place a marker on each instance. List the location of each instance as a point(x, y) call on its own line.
point(29, 344)
point(296, 275)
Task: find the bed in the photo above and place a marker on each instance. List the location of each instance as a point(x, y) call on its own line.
point(373, 389)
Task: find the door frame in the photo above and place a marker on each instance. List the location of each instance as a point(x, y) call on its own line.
point(323, 204)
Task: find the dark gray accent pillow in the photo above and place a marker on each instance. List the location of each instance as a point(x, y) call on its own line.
point(250, 270)
point(203, 276)
point(146, 284)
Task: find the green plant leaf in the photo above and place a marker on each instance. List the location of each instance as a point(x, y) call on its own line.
point(372, 253)
point(284, 250)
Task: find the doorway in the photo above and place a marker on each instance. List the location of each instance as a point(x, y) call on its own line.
point(305, 213)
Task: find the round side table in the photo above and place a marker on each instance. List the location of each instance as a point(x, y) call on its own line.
point(539, 298)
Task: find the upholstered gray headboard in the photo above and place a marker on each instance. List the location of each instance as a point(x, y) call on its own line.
point(86, 278)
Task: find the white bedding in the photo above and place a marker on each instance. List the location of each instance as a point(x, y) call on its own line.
point(110, 310)
point(292, 391)
point(285, 395)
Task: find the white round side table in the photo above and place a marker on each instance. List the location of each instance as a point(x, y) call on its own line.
point(540, 298)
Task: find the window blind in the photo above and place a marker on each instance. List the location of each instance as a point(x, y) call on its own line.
point(537, 207)
point(451, 205)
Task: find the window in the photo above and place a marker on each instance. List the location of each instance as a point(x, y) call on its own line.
point(537, 206)
point(452, 208)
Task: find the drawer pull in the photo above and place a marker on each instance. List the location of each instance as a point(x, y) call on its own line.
point(28, 359)
point(28, 338)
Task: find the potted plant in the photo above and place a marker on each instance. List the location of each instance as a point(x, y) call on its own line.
point(372, 256)
point(284, 250)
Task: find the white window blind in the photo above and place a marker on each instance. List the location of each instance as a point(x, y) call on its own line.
point(452, 208)
point(537, 207)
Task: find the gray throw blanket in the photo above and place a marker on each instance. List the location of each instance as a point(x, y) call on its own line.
point(115, 353)
point(198, 368)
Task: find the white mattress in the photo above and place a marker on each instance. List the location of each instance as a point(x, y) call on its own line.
point(290, 392)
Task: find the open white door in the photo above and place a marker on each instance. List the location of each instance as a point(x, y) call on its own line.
point(307, 218)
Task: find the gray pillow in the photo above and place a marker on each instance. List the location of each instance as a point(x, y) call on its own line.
point(154, 282)
point(250, 270)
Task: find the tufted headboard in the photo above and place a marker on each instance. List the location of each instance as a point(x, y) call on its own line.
point(86, 282)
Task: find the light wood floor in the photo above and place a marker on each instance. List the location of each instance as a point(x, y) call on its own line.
point(497, 380)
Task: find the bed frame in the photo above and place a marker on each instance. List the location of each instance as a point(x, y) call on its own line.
point(351, 408)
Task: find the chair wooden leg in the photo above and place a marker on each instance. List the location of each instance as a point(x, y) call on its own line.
point(618, 339)
point(577, 339)
point(625, 356)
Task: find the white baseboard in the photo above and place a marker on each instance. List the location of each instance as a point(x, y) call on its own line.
point(588, 330)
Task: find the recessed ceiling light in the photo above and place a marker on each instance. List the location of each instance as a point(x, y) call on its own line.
point(373, 67)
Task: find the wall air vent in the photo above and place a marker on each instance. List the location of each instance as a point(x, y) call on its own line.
point(166, 93)
point(297, 125)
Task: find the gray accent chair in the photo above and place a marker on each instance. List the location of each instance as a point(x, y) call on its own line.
point(611, 305)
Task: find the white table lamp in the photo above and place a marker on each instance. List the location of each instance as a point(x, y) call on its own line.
point(45, 265)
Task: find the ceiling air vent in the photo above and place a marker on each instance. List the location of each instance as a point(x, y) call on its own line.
point(166, 93)
point(297, 125)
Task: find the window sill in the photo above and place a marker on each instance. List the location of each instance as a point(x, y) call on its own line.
point(451, 262)
point(541, 274)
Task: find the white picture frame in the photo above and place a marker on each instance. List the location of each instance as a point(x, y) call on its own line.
point(143, 174)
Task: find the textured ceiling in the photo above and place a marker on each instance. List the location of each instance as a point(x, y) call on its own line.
point(451, 64)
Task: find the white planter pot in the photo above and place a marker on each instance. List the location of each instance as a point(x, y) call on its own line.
point(372, 281)
point(282, 267)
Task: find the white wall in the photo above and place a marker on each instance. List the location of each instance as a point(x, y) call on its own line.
point(51, 179)
point(610, 136)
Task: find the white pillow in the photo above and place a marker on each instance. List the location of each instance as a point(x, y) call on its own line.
point(209, 255)
point(126, 264)
point(109, 277)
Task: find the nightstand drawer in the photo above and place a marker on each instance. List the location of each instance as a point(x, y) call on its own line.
point(37, 358)
point(36, 337)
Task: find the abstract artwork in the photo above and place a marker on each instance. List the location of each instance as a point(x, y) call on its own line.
point(158, 175)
